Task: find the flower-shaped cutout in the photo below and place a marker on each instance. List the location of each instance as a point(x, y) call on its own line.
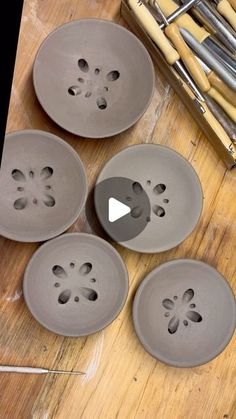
point(65, 278)
point(89, 84)
point(33, 187)
point(181, 311)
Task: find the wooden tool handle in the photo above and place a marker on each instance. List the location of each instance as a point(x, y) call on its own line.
point(213, 122)
point(184, 21)
point(151, 27)
point(189, 59)
point(216, 82)
point(228, 108)
point(226, 10)
point(233, 3)
point(219, 130)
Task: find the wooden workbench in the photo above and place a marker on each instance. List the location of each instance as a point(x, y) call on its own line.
point(122, 380)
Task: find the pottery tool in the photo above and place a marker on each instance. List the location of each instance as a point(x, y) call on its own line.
point(209, 59)
point(226, 122)
point(214, 123)
point(30, 370)
point(227, 11)
point(187, 56)
point(213, 21)
point(185, 21)
point(233, 3)
point(171, 55)
point(177, 13)
point(216, 82)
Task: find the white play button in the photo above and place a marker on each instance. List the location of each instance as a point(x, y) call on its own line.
point(117, 210)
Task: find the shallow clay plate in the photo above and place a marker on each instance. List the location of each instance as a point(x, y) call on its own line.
point(167, 180)
point(184, 313)
point(76, 284)
point(93, 77)
point(43, 186)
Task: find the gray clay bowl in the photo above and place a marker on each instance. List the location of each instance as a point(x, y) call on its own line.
point(184, 313)
point(43, 186)
point(161, 188)
point(76, 284)
point(93, 77)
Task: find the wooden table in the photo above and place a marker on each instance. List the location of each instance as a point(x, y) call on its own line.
point(122, 380)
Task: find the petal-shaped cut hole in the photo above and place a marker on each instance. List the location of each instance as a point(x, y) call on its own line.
point(86, 268)
point(20, 203)
point(194, 316)
point(74, 90)
point(173, 325)
point(168, 304)
point(59, 271)
point(89, 294)
point(188, 295)
point(101, 103)
point(159, 211)
point(46, 172)
point(49, 201)
point(159, 189)
point(18, 175)
point(64, 297)
point(113, 75)
point(83, 65)
point(137, 188)
point(136, 212)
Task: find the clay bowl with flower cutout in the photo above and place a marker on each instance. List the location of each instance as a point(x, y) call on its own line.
point(43, 186)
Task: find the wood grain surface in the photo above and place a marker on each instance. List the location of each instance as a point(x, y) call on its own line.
point(122, 380)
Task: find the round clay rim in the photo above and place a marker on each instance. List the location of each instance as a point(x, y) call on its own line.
point(80, 235)
point(109, 22)
point(163, 248)
point(153, 353)
point(57, 139)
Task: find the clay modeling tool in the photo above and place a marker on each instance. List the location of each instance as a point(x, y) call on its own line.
point(203, 37)
point(228, 125)
point(187, 56)
point(213, 21)
point(171, 55)
point(194, 67)
point(227, 11)
point(33, 370)
point(209, 59)
point(178, 12)
point(233, 3)
point(215, 125)
point(216, 82)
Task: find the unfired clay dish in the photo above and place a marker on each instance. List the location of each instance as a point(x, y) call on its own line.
point(43, 186)
point(93, 77)
point(170, 183)
point(184, 313)
point(76, 284)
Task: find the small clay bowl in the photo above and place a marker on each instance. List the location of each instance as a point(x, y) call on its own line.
point(76, 284)
point(93, 77)
point(162, 190)
point(184, 313)
point(43, 186)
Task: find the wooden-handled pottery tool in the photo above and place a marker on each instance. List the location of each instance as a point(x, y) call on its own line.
point(201, 34)
point(32, 370)
point(209, 59)
point(171, 55)
point(227, 11)
point(213, 21)
point(194, 67)
point(233, 3)
point(224, 120)
point(216, 82)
